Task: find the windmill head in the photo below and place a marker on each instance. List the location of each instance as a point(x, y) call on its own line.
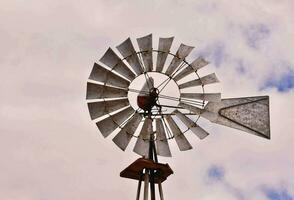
point(110, 84)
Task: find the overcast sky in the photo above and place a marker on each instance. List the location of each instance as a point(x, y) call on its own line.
point(51, 150)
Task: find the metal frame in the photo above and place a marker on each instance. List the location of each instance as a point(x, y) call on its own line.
point(170, 77)
point(149, 174)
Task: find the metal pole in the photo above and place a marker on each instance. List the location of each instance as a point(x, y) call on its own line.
point(146, 184)
point(160, 191)
point(152, 185)
point(139, 187)
point(159, 183)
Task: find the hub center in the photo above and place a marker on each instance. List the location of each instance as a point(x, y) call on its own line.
point(154, 96)
point(149, 100)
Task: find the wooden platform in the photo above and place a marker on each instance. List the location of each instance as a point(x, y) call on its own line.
point(135, 170)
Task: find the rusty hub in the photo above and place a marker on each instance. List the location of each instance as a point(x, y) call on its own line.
point(149, 100)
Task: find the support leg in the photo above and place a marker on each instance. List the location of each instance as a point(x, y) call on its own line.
point(152, 185)
point(146, 184)
point(160, 191)
point(139, 187)
point(151, 153)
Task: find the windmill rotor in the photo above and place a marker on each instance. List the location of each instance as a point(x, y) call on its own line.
point(108, 92)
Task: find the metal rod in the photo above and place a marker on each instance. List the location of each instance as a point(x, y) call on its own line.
point(154, 150)
point(171, 77)
point(199, 103)
point(146, 184)
point(171, 106)
point(139, 187)
point(152, 185)
point(162, 82)
point(162, 114)
point(151, 149)
point(159, 183)
point(160, 191)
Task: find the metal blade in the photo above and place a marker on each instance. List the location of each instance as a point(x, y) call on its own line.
point(145, 45)
point(193, 67)
point(181, 54)
point(180, 138)
point(163, 50)
point(143, 141)
point(123, 138)
point(95, 91)
point(197, 130)
point(98, 109)
point(113, 61)
point(105, 76)
point(211, 116)
point(249, 114)
point(128, 51)
point(205, 80)
point(214, 97)
point(109, 124)
point(161, 140)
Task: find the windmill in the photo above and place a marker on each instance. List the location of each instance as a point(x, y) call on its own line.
point(125, 96)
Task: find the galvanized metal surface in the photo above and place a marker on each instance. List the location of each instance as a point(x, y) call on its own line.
point(181, 54)
point(163, 50)
point(142, 144)
point(139, 188)
point(160, 191)
point(146, 185)
point(214, 97)
point(95, 91)
point(109, 124)
point(196, 129)
point(98, 109)
point(145, 45)
point(103, 75)
point(123, 138)
point(180, 138)
point(205, 80)
point(161, 140)
point(199, 63)
point(198, 111)
point(194, 66)
point(249, 114)
point(114, 62)
point(128, 51)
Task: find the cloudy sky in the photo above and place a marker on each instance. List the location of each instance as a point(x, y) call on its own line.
point(50, 149)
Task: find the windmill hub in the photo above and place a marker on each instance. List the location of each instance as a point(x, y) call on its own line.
point(148, 101)
point(148, 96)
